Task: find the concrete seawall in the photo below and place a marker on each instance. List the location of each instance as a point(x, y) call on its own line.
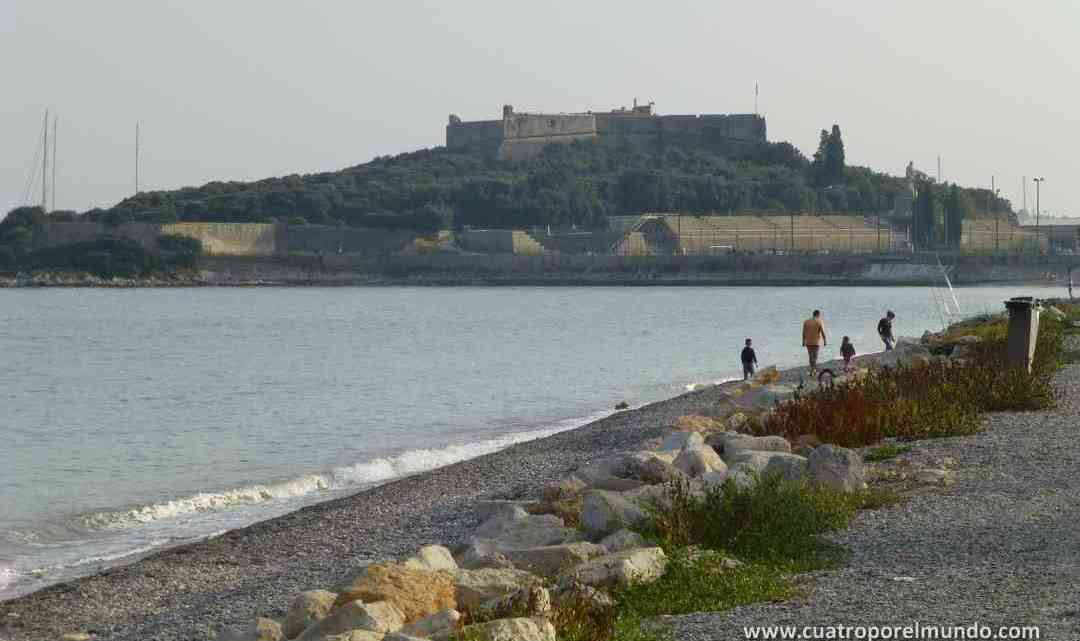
point(505, 269)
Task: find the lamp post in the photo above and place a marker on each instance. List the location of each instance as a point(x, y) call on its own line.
point(1038, 183)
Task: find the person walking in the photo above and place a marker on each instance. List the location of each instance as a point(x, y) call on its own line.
point(884, 330)
point(813, 339)
point(749, 360)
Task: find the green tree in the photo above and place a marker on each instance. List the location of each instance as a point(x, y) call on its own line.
point(958, 206)
point(828, 165)
point(925, 213)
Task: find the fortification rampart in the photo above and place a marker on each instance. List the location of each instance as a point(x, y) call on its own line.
point(520, 136)
point(239, 239)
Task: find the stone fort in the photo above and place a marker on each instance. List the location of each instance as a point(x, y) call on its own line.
point(520, 136)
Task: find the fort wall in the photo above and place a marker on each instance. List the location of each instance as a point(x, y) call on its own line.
point(228, 239)
point(519, 136)
point(239, 239)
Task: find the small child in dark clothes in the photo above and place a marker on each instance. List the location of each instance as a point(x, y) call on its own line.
point(749, 361)
point(847, 350)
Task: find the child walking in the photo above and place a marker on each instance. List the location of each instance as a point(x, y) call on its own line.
point(749, 361)
point(847, 350)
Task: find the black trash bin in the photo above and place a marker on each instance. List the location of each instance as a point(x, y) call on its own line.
point(1023, 330)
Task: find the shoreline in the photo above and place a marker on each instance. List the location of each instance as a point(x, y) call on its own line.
point(253, 571)
point(168, 594)
point(333, 281)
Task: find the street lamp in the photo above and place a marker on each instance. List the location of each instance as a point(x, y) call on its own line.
point(1038, 182)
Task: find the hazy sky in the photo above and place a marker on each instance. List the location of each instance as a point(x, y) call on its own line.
point(239, 89)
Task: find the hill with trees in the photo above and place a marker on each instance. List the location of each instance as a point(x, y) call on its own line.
point(580, 184)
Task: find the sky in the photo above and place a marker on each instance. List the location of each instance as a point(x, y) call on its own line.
point(247, 89)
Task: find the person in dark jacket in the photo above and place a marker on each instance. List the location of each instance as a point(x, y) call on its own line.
point(884, 330)
point(847, 350)
point(749, 360)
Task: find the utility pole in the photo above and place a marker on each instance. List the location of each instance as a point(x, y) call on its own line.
point(1038, 183)
point(45, 166)
point(1023, 183)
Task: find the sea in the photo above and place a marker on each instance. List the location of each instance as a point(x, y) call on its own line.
point(132, 420)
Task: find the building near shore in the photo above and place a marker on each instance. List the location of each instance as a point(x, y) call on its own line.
point(520, 136)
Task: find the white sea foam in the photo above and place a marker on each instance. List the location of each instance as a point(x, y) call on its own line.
point(364, 473)
point(422, 460)
point(694, 387)
point(8, 577)
point(207, 502)
point(116, 556)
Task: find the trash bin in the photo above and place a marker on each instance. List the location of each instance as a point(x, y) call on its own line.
point(1023, 330)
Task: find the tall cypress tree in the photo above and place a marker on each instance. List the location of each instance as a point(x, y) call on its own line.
point(925, 212)
point(828, 165)
point(957, 207)
point(834, 157)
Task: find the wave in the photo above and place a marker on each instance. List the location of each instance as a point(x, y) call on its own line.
point(422, 460)
point(363, 473)
point(207, 502)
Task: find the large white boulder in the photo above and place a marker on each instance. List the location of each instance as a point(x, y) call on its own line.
point(610, 473)
point(699, 459)
point(474, 587)
point(790, 466)
point(749, 460)
point(548, 560)
point(837, 467)
point(519, 629)
point(306, 609)
point(678, 441)
point(621, 569)
point(528, 601)
point(604, 512)
point(625, 472)
point(432, 558)
point(731, 443)
point(355, 615)
point(528, 531)
point(432, 625)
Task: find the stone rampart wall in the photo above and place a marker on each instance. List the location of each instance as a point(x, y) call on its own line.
point(228, 239)
point(240, 239)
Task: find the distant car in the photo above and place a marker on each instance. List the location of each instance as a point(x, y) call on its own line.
point(721, 249)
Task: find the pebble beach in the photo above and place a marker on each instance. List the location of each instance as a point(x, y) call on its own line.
point(193, 591)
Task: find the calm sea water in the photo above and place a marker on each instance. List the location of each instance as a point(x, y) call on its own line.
point(136, 419)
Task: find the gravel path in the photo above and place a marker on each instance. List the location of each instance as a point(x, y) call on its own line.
point(1000, 547)
point(187, 592)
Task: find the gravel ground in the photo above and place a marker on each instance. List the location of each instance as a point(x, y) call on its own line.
point(1000, 547)
point(185, 593)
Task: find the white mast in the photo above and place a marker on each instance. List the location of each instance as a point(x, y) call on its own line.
point(56, 119)
point(45, 165)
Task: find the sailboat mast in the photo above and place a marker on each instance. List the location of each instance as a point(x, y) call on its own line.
point(136, 157)
point(56, 119)
point(45, 164)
